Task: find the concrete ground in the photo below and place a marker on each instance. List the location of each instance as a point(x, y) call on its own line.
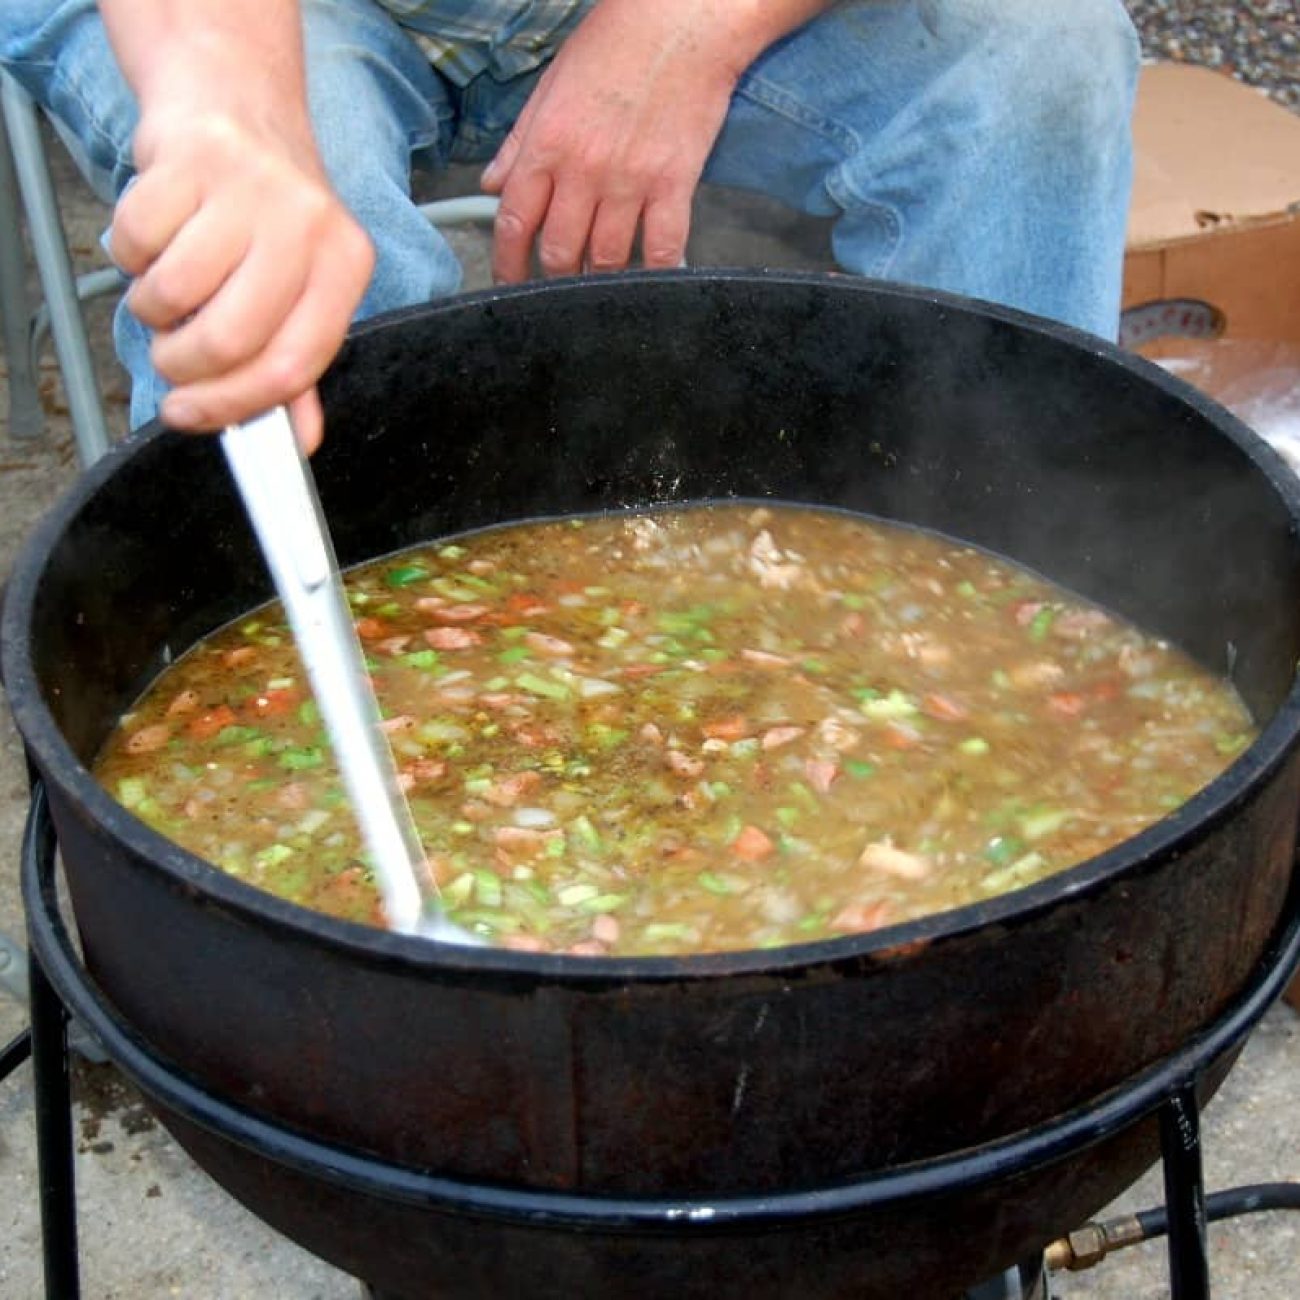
point(152, 1225)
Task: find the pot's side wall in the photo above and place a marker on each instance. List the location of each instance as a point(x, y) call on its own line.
point(745, 1083)
point(621, 392)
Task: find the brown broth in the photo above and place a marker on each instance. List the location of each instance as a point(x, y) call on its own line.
point(712, 728)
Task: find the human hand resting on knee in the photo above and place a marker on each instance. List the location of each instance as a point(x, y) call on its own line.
point(244, 262)
point(617, 133)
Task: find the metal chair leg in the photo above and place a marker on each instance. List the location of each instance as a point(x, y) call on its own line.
point(26, 418)
point(49, 247)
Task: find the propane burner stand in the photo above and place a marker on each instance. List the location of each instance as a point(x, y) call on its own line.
point(61, 987)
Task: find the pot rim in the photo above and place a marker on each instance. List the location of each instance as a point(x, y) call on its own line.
point(1167, 838)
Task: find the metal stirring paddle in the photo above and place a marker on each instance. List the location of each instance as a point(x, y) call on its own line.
point(279, 494)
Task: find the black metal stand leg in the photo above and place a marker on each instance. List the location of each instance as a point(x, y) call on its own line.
point(1180, 1142)
point(14, 1053)
point(53, 1094)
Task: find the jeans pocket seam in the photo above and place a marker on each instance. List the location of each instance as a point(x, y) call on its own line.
point(780, 101)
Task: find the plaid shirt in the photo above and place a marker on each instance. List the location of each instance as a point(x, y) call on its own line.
point(463, 38)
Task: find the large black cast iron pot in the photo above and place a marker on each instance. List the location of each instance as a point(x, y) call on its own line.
point(746, 1074)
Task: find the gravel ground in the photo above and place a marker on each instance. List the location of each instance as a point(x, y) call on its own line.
point(1255, 40)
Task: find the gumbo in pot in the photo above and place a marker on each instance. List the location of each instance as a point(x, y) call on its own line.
point(698, 729)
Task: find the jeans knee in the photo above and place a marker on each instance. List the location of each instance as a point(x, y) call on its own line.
point(1070, 70)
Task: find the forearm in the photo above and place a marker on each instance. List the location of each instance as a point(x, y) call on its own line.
point(194, 58)
point(756, 24)
point(245, 264)
point(734, 32)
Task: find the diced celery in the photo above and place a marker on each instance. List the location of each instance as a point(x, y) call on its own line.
point(421, 658)
point(587, 836)
point(713, 883)
point(459, 890)
point(660, 931)
point(1042, 821)
point(487, 887)
point(234, 735)
point(545, 687)
point(132, 791)
point(897, 704)
point(574, 895)
point(272, 855)
point(1003, 848)
point(1019, 872)
point(602, 903)
point(313, 820)
point(1229, 743)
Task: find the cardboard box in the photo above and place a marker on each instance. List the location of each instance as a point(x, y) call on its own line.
point(1215, 218)
point(1212, 271)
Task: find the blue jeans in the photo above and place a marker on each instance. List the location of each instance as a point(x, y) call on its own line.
point(977, 146)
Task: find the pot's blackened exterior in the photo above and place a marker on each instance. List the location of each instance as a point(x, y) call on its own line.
point(738, 1073)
